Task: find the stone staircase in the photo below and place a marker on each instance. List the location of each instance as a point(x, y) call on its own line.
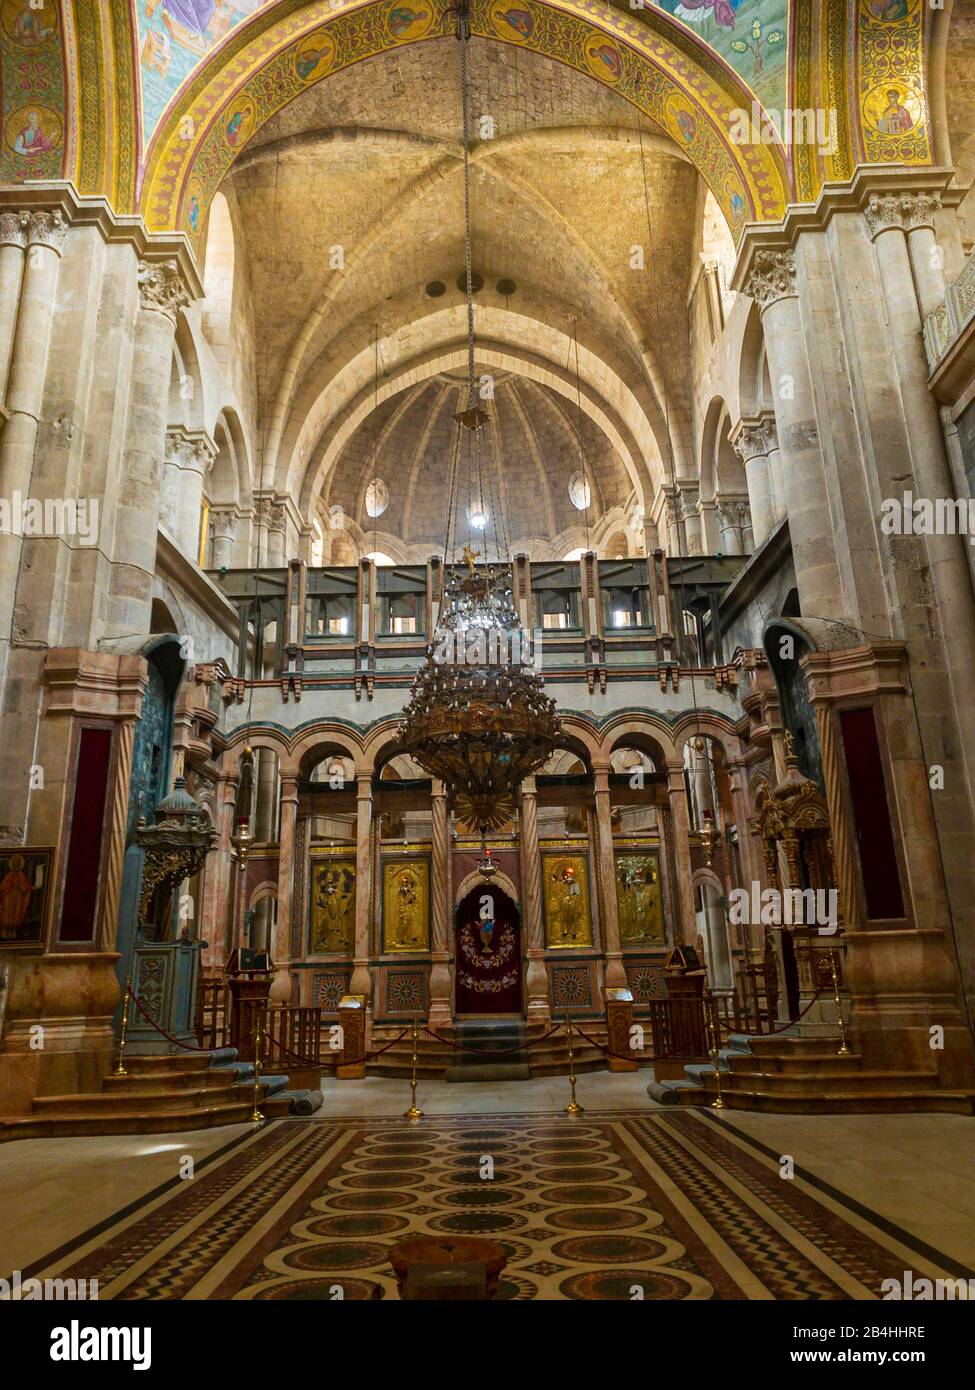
point(508, 1038)
point(789, 1073)
point(438, 1060)
point(163, 1093)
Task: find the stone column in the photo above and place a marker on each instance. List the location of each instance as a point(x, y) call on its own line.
point(163, 294)
point(674, 547)
point(196, 460)
point(691, 517)
point(615, 975)
point(750, 860)
point(169, 486)
point(730, 537)
point(13, 243)
point(745, 527)
point(750, 446)
point(45, 234)
point(224, 534)
point(772, 283)
point(281, 984)
point(361, 974)
point(531, 880)
point(440, 1012)
point(276, 535)
point(681, 823)
point(216, 884)
point(776, 481)
point(265, 794)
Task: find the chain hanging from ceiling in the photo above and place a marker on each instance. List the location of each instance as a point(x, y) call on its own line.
point(478, 716)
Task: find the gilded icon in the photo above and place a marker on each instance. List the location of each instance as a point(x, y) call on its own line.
point(638, 898)
point(332, 906)
point(565, 894)
point(314, 56)
point(25, 878)
point(893, 109)
point(27, 24)
point(406, 905)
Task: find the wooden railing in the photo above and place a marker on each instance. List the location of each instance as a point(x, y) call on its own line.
point(298, 1033)
point(212, 1013)
point(678, 1027)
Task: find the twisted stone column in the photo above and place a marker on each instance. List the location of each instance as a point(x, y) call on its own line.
point(615, 977)
point(531, 881)
point(440, 1012)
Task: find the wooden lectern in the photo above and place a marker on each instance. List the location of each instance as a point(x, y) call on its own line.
point(249, 976)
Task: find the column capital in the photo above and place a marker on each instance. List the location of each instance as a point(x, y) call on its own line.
point(13, 228)
point(750, 440)
point(162, 288)
point(47, 229)
point(907, 211)
point(772, 277)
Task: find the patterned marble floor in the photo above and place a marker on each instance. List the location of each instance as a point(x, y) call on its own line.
point(662, 1205)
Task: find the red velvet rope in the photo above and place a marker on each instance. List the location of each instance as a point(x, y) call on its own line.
point(187, 1047)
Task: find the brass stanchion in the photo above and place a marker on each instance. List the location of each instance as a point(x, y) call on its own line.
point(413, 1113)
point(844, 1051)
point(120, 1064)
point(573, 1107)
point(257, 1116)
point(718, 1102)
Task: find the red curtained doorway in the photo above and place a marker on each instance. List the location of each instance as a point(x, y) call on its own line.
point(488, 965)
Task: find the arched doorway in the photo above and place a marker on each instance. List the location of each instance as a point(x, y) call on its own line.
point(488, 969)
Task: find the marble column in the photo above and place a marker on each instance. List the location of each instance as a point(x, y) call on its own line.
point(440, 1013)
point(266, 794)
point(281, 984)
point(361, 974)
point(750, 445)
point(538, 1009)
point(681, 824)
point(772, 284)
point(13, 243)
point(224, 521)
point(615, 975)
point(45, 234)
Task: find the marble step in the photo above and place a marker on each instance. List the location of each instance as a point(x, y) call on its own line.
point(125, 1121)
point(834, 1102)
point(797, 1062)
point(816, 1082)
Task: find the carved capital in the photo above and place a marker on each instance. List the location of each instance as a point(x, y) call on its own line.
point(751, 442)
point(198, 455)
point(13, 228)
point(47, 229)
point(773, 277)
point(771, 435)
point(224, 521)
point(161, 288)
point(904, 211)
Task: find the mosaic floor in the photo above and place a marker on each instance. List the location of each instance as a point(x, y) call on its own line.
point(660, 1206)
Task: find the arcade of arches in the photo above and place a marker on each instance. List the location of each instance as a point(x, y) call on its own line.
point(729, 384)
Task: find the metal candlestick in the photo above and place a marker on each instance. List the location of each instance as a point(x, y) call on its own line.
point(413, 1113)
point(573, 1107)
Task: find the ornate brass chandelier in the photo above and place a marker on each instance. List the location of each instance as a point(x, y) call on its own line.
point(478, 717)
